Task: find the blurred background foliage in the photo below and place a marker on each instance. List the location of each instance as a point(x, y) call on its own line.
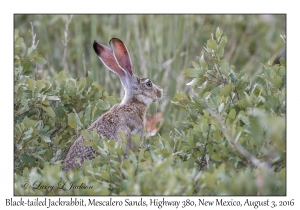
point(161, 46)
point(224, 127)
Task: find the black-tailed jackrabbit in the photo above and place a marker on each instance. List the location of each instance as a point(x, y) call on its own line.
point(128, 116)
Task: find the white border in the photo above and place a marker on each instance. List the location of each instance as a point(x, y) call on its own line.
point(156, 6)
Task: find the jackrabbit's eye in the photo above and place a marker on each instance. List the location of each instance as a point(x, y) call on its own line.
point(149, 83)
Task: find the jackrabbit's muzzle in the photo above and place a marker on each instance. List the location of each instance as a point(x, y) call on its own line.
point(158, 93)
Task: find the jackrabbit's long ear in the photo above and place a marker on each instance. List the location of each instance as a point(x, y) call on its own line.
point(121, 54)
point(106, 55)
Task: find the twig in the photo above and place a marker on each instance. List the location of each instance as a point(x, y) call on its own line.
point(31, 107)
point(68, 137)
point(218, 70)
point(84, 66)
point(55, 131)
point(19, 140)
point(33, 35)
point(237, 94)
point(231, 98)
point(228, 109)
point(205, 147)
point(212, 75)
point(65, 43)
point(30, 139)
point(214, 81)
point(148, 149)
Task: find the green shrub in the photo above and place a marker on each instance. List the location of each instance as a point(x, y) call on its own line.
point(49, 113)
point(230, 142)
point(235, 123)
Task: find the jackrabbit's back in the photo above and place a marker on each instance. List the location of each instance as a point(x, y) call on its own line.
point(124, 118)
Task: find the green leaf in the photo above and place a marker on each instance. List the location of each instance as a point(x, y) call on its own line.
point(87, 143)
point(26, 66)
point(194, 82)
point(226, 90)
point(30, 83)
point(40, 59)
point(45, 102)
point(194, 72)
point(233, 77)
point(112, 100)
point(29, 131)
point(27, 158)
point(25, 172)
point(32, 55)
point(180, 96)
point(216, 157)
point(45, 138)
point(186, 148)
point(203, 63)
point(256, 129)
point(95, 135)
point(141, 154)
point(277, 81)
point(232, 114)
point(60, 112)
point(72, 120)
point(282, 71)
point(136, 139)
point(90, 79)
point(238, 137)
point(30, 49)
point(40, 84)
point(223, 42)
point(60, 77)
point(49, 110)
point(82, 83)
point(53, 98)
point(204, 125)
point(104, 105)
point(105, 175)
point(86, 135)
point(16, 33)
point(221, 107)
point(270, 62)
point(195, 65)
point(79, 124)
point(18, 41)
point(87, 114)
point(241, 85)
point(218, 33)
point(191, 141)
point(220, 53)
point(282, 61)
point(123, 137)
point(212, 44)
